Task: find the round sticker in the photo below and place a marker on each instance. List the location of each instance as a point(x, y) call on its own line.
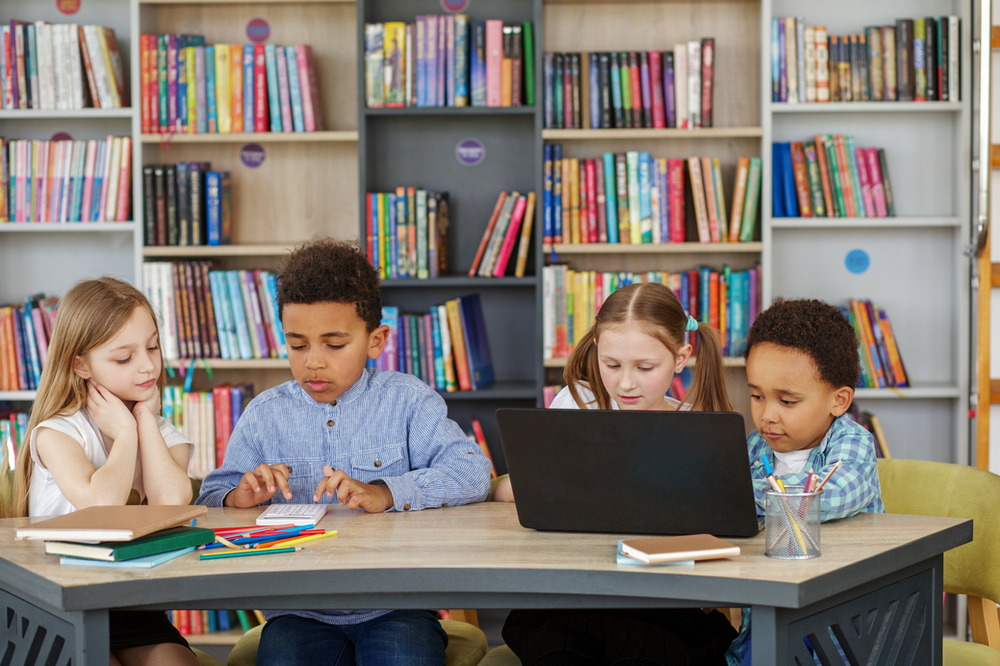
point(252, 155)
point(258, 30)
point(68, 6)
point(857, 261)
point(454, 6)
point(61, 136)
point(470, 152)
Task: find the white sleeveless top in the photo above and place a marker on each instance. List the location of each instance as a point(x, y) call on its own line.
point(44, 496)
point(564, 400)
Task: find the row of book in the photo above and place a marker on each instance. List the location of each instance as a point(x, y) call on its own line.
point(207, 418)
point(631, 89)
point(513, 217)
point(881, 362)
point(66, 181)
point(635, 198)
point(60, 66)
point(187, 203)
point(830, 177)
point(13, 428)
point(408, 232)
point(915, 60)
point(25, 331)
point(726, 299)
point(189, 87)
point(200, 622)
point(447, 60)
point(207, 313)
point(447, 348)
point(871, 423)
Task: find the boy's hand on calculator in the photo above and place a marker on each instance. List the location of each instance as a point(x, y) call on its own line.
point(260, 485)
point(373, 498)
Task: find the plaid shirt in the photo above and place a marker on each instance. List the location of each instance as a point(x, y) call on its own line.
point(853, 489)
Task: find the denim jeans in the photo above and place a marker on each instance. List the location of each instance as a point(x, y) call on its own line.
point(399, 638)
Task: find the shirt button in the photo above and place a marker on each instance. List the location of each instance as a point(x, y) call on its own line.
point(333, 403)
point(406, 507)
point(330, 422)
point(444, 504)
point(378, 463)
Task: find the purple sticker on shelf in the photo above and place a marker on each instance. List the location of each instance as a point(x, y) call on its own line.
point(258, 30)
point(61, 136)
point(857, 261)
point(454, 6)
point(252, 155)
point(470, 152)
point(68, 7)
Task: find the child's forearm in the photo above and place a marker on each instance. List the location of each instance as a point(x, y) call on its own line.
point(111, 483)
point(163, 478)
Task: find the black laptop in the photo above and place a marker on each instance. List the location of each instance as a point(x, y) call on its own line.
point(629, 472)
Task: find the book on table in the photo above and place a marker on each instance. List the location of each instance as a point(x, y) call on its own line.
point(111, 523)
point(679, 548)
point(154, 544)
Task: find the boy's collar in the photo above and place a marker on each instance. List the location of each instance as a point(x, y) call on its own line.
point(349, 395)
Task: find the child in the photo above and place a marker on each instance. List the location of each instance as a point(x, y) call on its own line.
point(96, 437)
point(802, 367)
point(627, 361)
point(373, 440)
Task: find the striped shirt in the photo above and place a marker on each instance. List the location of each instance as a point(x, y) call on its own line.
point(387, 428)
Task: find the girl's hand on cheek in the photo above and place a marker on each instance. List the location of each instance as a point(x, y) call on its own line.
point(151, 405)
point(108, 412)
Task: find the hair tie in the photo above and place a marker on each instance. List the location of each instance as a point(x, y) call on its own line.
point(692, 324)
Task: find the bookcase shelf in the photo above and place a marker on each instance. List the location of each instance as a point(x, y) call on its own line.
point(453, 111)
point(66, 114)
point(928, 391)
point(648, 133)
point(868, 107)
point(17, 395)
point(729, 362)
point(215, 250)
point(233, 364)
point(228, 637)
point(344, 136)
point(861, 222)
point(66, 227)
point(652, 248)
point(500, 390)
point(460, 281)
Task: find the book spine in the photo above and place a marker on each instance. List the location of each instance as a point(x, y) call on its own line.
point(249, 99)
point(707, 79)
point(260, 89)
point(494, 61)
point(295, 90)
point(822, 64)
point(646, 88)
point(656, 74)
point(284, 96)
point(273, 94)
point(889, 59)
point(236, 87)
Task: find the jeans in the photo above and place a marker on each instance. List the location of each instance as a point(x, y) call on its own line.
point(399, 638)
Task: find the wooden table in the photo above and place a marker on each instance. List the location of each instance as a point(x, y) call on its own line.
point(878, 584)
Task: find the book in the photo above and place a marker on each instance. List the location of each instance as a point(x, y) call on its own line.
point(110, 523)
point(657, 550)
point(145, 562)
point(154, 544)
point(294, 514)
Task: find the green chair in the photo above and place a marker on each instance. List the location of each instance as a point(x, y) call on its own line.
point(466, 645)
point(205, 659)
point(956, 491)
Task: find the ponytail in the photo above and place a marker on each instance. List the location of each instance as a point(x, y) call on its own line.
point(583, 367)
point(708, 390)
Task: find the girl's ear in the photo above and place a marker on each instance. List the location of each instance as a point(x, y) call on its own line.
point(80, 368)
point(682, 357)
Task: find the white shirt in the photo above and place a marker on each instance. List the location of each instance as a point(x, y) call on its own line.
point(44, 496)
point(792, 462)
point(564, 400)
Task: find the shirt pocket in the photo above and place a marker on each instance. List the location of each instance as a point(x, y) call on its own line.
point(378, 463)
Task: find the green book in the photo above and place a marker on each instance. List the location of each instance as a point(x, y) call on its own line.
point(244, 620)
point(833, 165)
point(159, 542)
point(634, 216)
point(815, 184)
point(529, 63)
point(750, 201)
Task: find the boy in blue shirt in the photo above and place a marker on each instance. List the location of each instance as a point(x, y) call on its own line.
point(379, 441)
point(802, 367)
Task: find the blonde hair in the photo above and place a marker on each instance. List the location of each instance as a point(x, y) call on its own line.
point(662, 316)
point(90, 314)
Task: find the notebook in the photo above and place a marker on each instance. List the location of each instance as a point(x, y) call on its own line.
point(292, 514)
point(696, 547)
point(159, 542)
point(629, 472)
point(111, 523)
point(147, 562)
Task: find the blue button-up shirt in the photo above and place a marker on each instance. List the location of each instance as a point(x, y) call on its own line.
point(387, 428)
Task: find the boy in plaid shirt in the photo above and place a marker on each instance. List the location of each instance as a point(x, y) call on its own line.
point(802, 367)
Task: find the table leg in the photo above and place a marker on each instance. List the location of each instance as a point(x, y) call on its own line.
point(32, 634)
point(93, 646)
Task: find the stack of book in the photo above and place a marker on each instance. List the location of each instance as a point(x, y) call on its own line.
point(449, 61)
point(13, 429)
point(187, 203)
point(655, 89)
point(207, 313)
point(191, 88)
point(728, 300)
point(830, 177)
point(644, 199)
point(201, 622)
point(60, 66)
point(408, 232)
point(132, 536)
point(207, 418)
point(66, 181)
point(447, 348)
point(513, 217)
point(25, 331)
point(915, 60)
point(881, 362)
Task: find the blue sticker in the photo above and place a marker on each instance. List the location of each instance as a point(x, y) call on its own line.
point(857, 261)
point(252, 155)
point(470, 152)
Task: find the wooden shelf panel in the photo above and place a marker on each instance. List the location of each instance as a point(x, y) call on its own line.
point(460, 281)
point(234, 364)
point(229, 637)
point(64, 114)
point(17, 395)
point(651, 248)
point(329, 136)
point(861, 222)
point(216, 250)
point(729, 362)
point(927, 391)
point(868, 107)
point(453, 111)
point(509, 390)
point(649, 133)
point(66, 227)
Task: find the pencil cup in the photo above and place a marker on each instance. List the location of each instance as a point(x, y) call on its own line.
point(791, 524)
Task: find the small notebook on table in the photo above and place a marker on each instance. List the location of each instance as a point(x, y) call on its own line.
point(656, 550)
point(292, 514)
point(111, 523)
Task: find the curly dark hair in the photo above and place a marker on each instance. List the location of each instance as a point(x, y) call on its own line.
point(816, 329)
point(326, 270)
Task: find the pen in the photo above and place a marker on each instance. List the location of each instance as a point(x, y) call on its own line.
point(774, 481)
point(828, 475)
point(247, 553)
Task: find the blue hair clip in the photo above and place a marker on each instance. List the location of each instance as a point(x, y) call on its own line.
point(692, 324)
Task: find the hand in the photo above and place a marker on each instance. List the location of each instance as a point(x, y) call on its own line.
point(373, 498)
point(108, 412)
point(152, 405)
point(260, 485)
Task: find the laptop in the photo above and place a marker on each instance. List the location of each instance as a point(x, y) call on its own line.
point(629, 472)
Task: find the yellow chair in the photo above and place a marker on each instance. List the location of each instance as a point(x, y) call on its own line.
point(956, 491)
